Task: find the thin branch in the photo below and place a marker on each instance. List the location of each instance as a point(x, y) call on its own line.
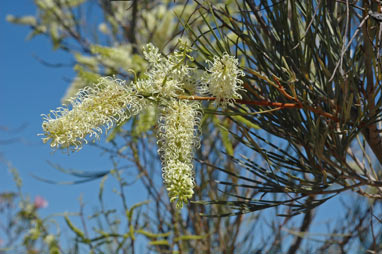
point(348, 45)
point(304, 227)
point(266, 103)
point(131, 32)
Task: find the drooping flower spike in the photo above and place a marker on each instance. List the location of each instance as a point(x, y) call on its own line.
point(93, 109)
point(178, 138)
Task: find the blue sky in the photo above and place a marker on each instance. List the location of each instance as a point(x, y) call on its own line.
point(28, 89)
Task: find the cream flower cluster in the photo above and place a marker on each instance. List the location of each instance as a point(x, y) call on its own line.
point(222, 79)
point(165, 77)
point(116, 57)
point(107, 103)
point(111, 102)
point(177, 140)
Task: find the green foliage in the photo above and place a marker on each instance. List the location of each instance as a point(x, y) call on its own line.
point(85, 76)
point(145, 121)
point(224, 134)
point(152, 235)
point(76, 230)
point(308, 88)
point(159, 242)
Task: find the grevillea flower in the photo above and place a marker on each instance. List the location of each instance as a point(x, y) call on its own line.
point(165, 77)
point(177, 140)
point(111, 102)
point(221, 79)
point(117, 57)
point(107, 103)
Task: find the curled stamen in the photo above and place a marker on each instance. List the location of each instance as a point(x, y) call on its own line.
point(222, 80)
point(177, 140)
point(107, 103)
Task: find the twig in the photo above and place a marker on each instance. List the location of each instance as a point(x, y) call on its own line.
point(131, 32)
point(348, 45)
point(266, 103)
point(283, 92)
point(304, 227)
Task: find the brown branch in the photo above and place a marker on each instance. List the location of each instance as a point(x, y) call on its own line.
point(304, 227)
point(133, 24)
point(282, 90)
point(281, 105)
point(370, 132)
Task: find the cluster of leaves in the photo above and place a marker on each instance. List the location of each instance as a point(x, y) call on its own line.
point(313, 85)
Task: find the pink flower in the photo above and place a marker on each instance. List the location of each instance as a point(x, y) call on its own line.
point(40, 202)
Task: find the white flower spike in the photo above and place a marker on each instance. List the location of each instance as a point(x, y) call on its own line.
point(166, 77)
point(107, 103)
point(177, 140)
point(222, 80)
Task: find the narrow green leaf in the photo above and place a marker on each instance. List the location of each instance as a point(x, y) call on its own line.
point(76, 230)
point(144, 122)
point(159, 242)
point(190, 237)
point(132, 231)
point(246, 122)
point(101, 187)
point(152, 235)
point(86, 76)
point(227, 143)
point(129, 212)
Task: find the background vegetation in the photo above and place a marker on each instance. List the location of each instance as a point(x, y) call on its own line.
point(307, 129)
